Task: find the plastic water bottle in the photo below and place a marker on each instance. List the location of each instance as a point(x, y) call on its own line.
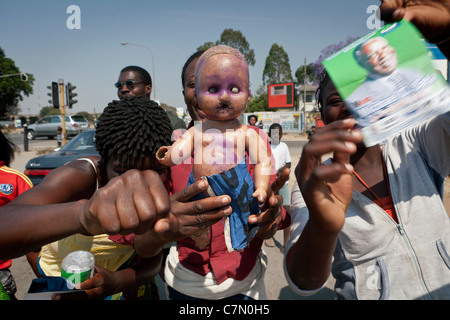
point(77, 266)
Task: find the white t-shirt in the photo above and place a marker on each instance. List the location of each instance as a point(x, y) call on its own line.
point(281, 155)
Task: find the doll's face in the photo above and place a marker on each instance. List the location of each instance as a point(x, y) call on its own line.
point(222, 87)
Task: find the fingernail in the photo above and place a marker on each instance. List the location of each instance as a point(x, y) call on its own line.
point(396, 13)
point(163, 226)
point(349, 145)
point(226, 200)
point(356, 133)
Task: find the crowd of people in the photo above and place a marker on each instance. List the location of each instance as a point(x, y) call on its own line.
point(366, 213)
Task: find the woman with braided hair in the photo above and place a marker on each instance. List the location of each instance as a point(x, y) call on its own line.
point(122, 193)
point(373, 216)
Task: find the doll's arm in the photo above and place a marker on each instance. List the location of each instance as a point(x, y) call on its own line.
point(179, 151)
point(257, 148)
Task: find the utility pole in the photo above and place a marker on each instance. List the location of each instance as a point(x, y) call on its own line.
point(23, 76)
point(63, 110)
point(304, 99)
point(153, 64)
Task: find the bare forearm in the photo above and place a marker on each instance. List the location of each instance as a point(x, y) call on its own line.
point(309, 260)
point(286, 166)
point(144, 271)
point(148, 245)
point(25, 228)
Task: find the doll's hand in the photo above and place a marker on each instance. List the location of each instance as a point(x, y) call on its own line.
point(431, 17)
point(163, 154)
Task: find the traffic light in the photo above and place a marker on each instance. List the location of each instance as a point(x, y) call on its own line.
point(54, 94)
point(70, 95)
point(23, 76)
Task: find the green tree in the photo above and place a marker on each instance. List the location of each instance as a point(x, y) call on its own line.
point(277, 68)
point(86, 115)
point(49, 111)
point(12, 88)
point(300, 74)
point(328, 51)
point(234, 39)
point(258, 102)
point(206, 46)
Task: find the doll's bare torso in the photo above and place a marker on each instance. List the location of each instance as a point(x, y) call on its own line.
point(219, 150)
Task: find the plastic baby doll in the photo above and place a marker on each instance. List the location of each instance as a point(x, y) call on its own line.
point(219, 144)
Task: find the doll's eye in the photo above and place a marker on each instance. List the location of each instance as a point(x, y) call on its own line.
point(212, 90)
point(235, 90)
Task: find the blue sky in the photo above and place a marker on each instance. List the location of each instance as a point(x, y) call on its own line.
point(35, 35)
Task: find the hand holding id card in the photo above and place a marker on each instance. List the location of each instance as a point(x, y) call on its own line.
point(388, 81)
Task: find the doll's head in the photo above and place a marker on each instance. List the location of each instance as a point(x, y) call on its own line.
point(222, 83)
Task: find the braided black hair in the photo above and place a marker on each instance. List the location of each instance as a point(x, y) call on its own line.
point(324, 79)
point(132, 129)
point(144, 75)
point(188, 61)
point(7, 149)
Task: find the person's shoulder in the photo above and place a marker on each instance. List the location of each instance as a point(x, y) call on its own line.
point(15, 174)
point(251, 130)
point(7, 170)
point(177, 123)
point(258, 130)
point(84, 164)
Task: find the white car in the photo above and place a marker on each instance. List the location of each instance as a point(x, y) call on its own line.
point(48, 126)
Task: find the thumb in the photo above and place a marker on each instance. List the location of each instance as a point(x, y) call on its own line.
point(162, 225)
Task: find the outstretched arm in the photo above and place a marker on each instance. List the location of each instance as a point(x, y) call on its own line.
point(327, 191)
point(132, 202)
point(271, 215)
point(186, 218)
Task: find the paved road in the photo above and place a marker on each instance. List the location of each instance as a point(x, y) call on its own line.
point(276, 285)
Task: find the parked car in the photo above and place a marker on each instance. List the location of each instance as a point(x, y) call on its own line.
point(48, 126)
point(82, 145)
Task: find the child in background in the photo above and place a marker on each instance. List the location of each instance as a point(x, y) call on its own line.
point(280, 152)
point(12, 183)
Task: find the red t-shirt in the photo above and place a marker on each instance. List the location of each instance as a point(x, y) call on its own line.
point(12, 183)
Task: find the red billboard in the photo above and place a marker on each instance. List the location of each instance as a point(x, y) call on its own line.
point(281, 95)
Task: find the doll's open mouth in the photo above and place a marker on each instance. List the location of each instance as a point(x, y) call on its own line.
point(225, 106)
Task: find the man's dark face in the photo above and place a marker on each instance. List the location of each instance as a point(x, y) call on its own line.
point(139, 88)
